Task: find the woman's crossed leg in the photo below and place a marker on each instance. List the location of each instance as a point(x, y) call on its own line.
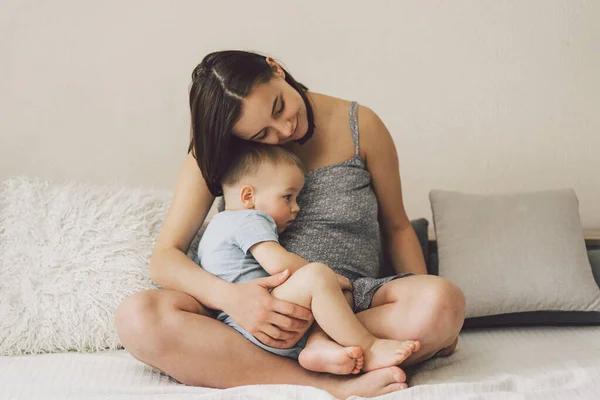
point(171, 331)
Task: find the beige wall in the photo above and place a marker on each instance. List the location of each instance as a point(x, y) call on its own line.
point(480, 96)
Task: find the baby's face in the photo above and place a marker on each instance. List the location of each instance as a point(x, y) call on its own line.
point(278, 192)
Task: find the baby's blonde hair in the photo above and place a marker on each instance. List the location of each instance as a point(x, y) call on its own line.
point(249, 159)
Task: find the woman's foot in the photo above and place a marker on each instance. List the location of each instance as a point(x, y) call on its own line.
point(384, 353)
point(371, 384)
point(322, 354)
point(447, 351)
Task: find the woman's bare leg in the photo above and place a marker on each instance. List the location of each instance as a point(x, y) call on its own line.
point(426, 308)
point(171, 331)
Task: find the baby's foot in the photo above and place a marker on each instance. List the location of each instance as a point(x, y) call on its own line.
point(385, 353)
point(328, 356)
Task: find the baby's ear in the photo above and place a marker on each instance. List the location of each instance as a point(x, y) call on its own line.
point(247, 197)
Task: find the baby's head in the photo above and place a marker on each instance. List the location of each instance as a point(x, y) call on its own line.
point(266, 178)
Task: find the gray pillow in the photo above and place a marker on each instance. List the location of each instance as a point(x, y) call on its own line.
point(534, 317)
point(519, 258)
point(594, 257)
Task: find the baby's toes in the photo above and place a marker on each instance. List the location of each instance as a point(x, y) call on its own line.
point(408, 346)
point(417, 346)
point(354, 352)
point(360, 362)
point(358, 365)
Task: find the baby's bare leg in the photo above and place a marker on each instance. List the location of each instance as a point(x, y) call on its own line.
point(315, 286)
point(323, 354)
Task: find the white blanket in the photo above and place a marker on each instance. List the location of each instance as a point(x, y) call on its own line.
point(510, 363)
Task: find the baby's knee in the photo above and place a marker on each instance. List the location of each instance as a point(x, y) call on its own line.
point(317, 273)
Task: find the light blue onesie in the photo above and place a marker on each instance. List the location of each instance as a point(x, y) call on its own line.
point(224, 252)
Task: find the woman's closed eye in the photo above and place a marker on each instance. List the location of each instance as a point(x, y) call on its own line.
point(282, 107)
point(264, 135)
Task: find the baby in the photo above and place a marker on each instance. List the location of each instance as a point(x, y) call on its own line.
point(241, 243)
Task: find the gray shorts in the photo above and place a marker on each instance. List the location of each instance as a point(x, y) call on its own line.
point(293, 352)
point(363, 289)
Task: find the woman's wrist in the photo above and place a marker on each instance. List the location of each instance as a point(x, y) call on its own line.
point(406, 255)
point(223, 295)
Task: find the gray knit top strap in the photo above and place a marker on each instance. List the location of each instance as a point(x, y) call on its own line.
point(353, 116)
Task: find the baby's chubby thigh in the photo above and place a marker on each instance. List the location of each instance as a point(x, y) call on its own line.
point(305, 282)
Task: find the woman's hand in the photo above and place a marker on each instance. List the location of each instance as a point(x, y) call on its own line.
point(274, 322)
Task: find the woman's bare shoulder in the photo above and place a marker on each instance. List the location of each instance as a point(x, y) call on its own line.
point(371, 129)
point(367, 118)
point(340, 113)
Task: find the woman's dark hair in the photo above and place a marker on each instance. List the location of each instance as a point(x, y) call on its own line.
point(219, 84)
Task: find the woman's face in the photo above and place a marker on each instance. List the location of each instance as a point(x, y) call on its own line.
point(273, 113)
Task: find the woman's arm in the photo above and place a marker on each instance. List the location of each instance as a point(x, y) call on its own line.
point(170, 266)
point(378, 150)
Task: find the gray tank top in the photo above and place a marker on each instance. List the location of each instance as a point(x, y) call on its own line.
point(338, 219)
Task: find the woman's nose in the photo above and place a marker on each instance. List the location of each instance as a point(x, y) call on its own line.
point(286, 129)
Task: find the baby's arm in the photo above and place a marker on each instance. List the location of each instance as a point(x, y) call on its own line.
point(274, 258)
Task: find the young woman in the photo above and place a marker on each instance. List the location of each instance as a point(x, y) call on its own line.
point(352, 210)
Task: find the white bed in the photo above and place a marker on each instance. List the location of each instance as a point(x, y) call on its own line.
point(46, 307)
point(501, 363)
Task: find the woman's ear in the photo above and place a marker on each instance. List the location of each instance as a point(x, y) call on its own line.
point(247, 197)
point(276, 67)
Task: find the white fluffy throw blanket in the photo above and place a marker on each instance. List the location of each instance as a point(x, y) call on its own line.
point(69, 254)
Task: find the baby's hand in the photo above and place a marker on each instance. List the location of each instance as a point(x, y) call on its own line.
point(346, 286)
point(344, 282)
point(349, 298)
